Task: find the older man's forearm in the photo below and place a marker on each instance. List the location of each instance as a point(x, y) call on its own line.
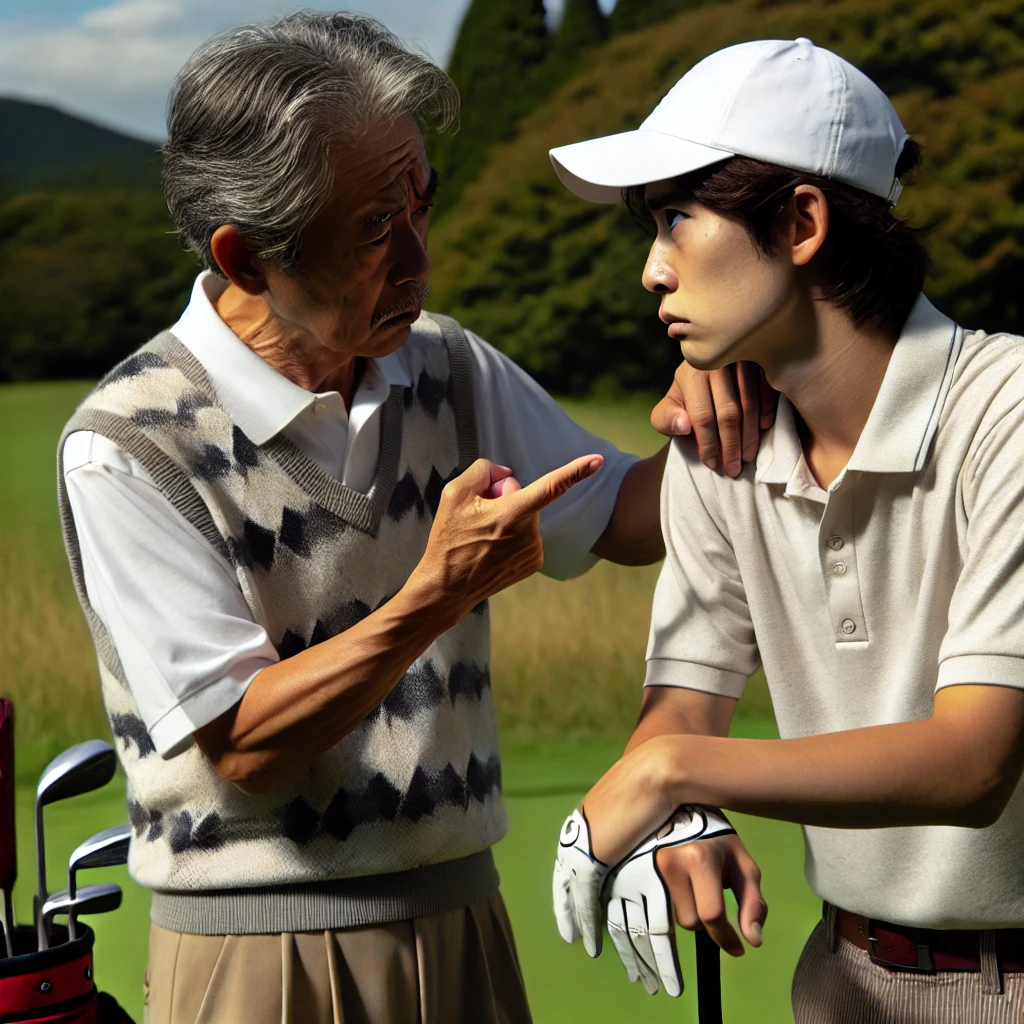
point(295, 710)
point(633, 534)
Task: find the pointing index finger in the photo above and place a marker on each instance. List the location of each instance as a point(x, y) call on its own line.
point(553, 485)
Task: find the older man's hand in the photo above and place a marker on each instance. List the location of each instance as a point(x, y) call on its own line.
point(486, 533)
point(725, 409)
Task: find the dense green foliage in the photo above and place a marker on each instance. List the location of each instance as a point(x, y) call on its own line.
point(45, 148)
point(630, 15)
point(85, 278)
point(496, 63)
point(583, 25)
point(554, 281)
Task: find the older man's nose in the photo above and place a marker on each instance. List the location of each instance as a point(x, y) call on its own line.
point(411, 260)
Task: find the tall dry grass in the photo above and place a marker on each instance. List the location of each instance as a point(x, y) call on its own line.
point(49, 668)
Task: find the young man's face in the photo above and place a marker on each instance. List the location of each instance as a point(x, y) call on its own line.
point(722, 298)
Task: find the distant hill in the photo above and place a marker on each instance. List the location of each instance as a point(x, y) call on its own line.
point(44, 148)
point(555, 281)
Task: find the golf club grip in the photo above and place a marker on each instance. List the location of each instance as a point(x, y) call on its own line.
point(8, 847)
point(709, 979)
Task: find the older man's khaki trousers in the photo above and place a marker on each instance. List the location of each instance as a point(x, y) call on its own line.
point(454, 968)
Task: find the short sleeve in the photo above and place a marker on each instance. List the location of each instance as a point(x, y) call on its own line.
point(185, 637)
point(984, 640)
point(701, 636)
point(521, 426)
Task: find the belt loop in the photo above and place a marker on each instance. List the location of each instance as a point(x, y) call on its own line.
point(991, 975)
point(830, 917)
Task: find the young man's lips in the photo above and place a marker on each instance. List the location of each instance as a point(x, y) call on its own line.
point(678, 329)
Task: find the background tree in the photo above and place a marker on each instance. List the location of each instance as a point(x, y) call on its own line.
point(583, 25)
point(496, 63)
point(630, 15)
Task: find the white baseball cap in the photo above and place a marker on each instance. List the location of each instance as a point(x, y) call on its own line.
point(784, 102)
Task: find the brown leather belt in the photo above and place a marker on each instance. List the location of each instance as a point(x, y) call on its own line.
point(927, 950)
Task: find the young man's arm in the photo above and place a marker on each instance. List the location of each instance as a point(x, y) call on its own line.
point(958, 767)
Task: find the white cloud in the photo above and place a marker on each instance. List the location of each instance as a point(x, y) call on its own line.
point(116, 62)
point(132, 17)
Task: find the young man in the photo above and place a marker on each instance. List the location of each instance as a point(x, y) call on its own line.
point(872, 559)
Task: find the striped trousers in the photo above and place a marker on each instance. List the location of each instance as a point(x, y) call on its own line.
point(836, 983)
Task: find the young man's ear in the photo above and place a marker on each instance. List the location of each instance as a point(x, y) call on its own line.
point(236, 261)
point(807, 211)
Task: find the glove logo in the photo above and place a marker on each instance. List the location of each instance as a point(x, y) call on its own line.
point(571, 832)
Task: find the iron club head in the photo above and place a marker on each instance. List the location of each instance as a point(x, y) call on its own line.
point(79, 769)
point(108, 848)
point(91, 899)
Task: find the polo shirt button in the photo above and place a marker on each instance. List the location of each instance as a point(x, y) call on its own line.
point(320, 409)
point(835, 543)
point(839, 568)
point(849, 626)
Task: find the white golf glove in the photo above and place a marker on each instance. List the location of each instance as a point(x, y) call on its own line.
point(641, 921)
point(576, 886)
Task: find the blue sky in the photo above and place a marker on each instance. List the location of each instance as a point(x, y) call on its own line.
point(114, 61)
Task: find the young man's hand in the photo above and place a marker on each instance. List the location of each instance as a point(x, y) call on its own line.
point(724, 409)
point(697, 876)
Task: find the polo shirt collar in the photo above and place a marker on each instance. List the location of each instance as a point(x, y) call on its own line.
point(897, 437)
point(258, 398)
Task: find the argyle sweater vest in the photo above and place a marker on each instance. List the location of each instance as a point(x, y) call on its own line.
point(417, 782)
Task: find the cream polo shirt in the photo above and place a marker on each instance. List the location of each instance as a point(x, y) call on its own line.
point(905, 576)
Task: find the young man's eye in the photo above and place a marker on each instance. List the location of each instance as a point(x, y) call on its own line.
point(674, 217)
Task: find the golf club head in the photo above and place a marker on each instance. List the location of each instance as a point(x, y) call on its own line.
point(106, 849)
point(91, 899)
point(79, 769)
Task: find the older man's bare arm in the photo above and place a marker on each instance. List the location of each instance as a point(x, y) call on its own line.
point(485, 537)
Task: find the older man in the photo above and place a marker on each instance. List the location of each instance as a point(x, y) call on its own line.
point(284, 538)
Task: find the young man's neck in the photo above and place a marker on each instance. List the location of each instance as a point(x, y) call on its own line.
point(834, 388)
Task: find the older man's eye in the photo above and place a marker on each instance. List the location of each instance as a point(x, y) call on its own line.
point(377, 242)
point(674, 217)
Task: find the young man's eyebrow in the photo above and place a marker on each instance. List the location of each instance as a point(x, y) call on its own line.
point(656, 203)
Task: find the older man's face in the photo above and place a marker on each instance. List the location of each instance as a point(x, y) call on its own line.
point(364, 264)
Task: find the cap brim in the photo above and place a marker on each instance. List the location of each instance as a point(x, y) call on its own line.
point(599, 169)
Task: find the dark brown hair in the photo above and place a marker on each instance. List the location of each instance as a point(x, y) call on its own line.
point(872, 264)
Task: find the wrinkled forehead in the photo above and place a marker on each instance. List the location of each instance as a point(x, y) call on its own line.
point(384, 162)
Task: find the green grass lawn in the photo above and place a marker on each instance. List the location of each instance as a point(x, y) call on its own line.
point(543, 784)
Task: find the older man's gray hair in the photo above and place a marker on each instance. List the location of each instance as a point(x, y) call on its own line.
point(254, 114)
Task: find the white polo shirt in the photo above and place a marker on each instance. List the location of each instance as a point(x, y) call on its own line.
point(906, 575)
point(186, 639)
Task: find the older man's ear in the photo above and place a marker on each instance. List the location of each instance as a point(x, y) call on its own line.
point(236, 260)
point(725, 409)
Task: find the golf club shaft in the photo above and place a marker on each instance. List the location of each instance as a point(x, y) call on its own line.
point(709, 979)
point(8, 913)
point(41, 894)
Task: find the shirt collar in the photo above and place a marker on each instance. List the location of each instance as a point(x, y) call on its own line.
point(258, 398)
point(897, 437)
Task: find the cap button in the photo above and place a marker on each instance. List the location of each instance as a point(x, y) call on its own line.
point(804, 40)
